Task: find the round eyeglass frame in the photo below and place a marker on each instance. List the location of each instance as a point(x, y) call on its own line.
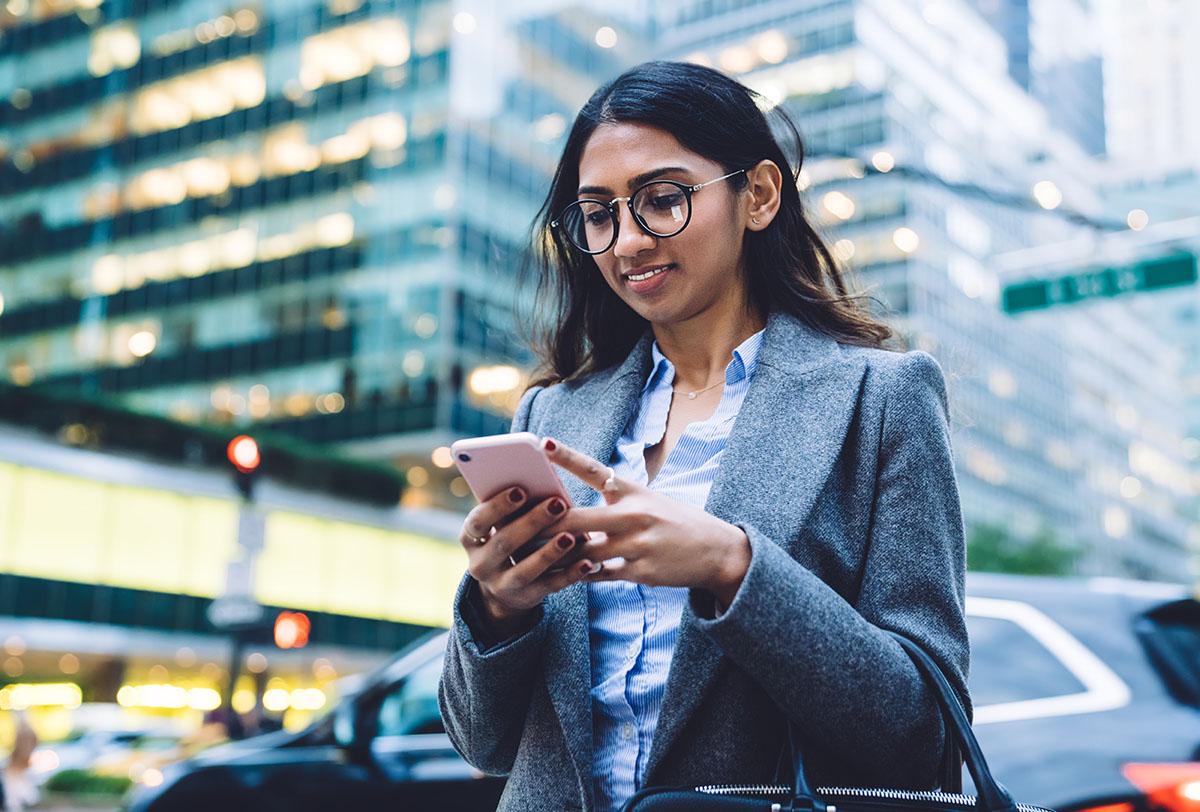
point(611, 207)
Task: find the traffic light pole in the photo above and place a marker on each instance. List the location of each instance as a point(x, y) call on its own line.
point(233, 724)
point(236, 611)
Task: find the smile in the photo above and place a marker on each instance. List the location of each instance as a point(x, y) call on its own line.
point(641, 277)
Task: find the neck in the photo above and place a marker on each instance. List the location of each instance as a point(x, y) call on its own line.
point(701, 347)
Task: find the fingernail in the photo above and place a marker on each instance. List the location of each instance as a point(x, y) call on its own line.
point(557, 507)
point(515, 495)
point(585, 568)
point(549, 444)
point(565, 541)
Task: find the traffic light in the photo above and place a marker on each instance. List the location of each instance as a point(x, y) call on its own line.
point(291, 629)
point(242, 451)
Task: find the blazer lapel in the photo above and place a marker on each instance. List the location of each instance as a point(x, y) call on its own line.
point(592, 424)
point(785, 441)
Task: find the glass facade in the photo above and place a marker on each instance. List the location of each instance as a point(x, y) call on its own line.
point(915, 131)
point(309, 217)
point(290, 216)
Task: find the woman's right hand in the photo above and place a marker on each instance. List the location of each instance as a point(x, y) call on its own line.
point(511, 592)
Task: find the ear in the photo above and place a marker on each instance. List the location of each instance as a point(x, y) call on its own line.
point(765, 193)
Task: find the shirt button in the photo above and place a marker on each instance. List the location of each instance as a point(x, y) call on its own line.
point(633, 649)
point(626, 731)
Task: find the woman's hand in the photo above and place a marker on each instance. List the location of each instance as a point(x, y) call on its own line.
point(663, 541)
point(511, 592)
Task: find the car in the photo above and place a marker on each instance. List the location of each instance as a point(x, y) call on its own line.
point(1086, 695)
point(1087, 691)
point(115, 749)
point(383, 746)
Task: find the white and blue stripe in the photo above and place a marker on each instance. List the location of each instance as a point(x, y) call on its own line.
point(633, 627)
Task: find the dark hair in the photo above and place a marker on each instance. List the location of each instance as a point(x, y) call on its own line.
point(582, 326)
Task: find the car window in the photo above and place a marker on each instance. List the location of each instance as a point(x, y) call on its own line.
point(1025, 665)
point(1171, 636)
point(1009, 665)
point(412, 707)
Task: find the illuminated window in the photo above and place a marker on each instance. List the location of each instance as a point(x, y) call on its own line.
point(157, 187)
point(231, 249)
point(354, 50)
point(287, 151)
point(114, 47)
point(197, 96)
point(243, 21)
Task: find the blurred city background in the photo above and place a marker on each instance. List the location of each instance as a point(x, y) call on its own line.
point(302, 221)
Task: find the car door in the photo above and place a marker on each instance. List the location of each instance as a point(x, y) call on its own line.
point(414, 756)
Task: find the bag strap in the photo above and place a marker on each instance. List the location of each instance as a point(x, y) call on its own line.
point(993, 797)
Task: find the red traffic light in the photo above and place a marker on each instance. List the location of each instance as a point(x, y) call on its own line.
point(291, 630)
point(243, 453)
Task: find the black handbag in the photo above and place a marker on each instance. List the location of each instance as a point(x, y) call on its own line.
point(800, 797)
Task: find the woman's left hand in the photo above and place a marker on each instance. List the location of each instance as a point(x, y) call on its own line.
point(663, 541)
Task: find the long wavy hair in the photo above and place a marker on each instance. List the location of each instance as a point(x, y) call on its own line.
point(581, 326)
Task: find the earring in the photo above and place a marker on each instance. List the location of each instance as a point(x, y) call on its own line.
point(754, 220)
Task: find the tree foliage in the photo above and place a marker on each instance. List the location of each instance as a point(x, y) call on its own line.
point(992, 548)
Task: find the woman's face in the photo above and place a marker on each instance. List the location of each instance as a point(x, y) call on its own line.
point(702, 262)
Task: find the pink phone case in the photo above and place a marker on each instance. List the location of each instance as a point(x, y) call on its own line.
point(502, 461)
point(496, 463)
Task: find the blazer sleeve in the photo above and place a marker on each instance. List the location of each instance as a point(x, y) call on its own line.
point(486, 683)
point(849, 688)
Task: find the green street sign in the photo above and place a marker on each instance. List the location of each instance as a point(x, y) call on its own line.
point(1152, 274)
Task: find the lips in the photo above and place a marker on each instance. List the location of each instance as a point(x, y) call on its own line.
point(648, 279)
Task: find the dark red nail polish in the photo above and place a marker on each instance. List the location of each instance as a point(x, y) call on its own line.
point(550, 444)
point(565, 541)
point(585, 568)
point(515, 495)
point(557, 507)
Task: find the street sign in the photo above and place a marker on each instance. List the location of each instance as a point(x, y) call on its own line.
point(1152, 274)
point(235, 612)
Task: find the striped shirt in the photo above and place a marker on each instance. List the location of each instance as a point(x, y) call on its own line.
point(633, 627)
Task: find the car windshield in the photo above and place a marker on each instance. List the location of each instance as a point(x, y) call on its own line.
point(413, 708)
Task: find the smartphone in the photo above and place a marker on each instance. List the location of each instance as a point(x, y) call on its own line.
point(494, 464)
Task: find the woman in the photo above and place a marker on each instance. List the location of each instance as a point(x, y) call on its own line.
point(764, 489)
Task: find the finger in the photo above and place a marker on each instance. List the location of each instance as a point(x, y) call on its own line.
point(617, 571)
point(578, 571)
point(549, 555)
point(581, 465)
point(487, 514)
point(603, 547)
point(602, 519)
point(518, 578)
point(515, 535)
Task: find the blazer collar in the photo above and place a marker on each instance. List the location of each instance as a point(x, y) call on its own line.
point(788, 344)
point(786, 438)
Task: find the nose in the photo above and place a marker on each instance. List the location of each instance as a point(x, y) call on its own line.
point(631, 239)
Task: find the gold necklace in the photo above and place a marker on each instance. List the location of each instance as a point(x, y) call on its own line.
point(692, 395)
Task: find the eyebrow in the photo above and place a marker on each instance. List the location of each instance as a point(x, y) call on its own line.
point(635, 181)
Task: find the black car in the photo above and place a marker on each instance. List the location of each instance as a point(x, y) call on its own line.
point(1087, 696)
point(1087, 692)
point(382, 747)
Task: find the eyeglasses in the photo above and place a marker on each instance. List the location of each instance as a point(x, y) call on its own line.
point(662, 208)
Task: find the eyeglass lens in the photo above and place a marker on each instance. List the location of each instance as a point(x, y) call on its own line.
point(663, 209)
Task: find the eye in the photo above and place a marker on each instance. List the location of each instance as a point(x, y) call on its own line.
point(596, 218)
point(665, 200)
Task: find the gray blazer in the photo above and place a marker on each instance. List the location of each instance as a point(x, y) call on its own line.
point(839, 470)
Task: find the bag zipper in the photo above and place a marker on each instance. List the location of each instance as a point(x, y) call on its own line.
point(930, 796)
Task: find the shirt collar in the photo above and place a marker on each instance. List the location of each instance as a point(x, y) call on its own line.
point(741, 366)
